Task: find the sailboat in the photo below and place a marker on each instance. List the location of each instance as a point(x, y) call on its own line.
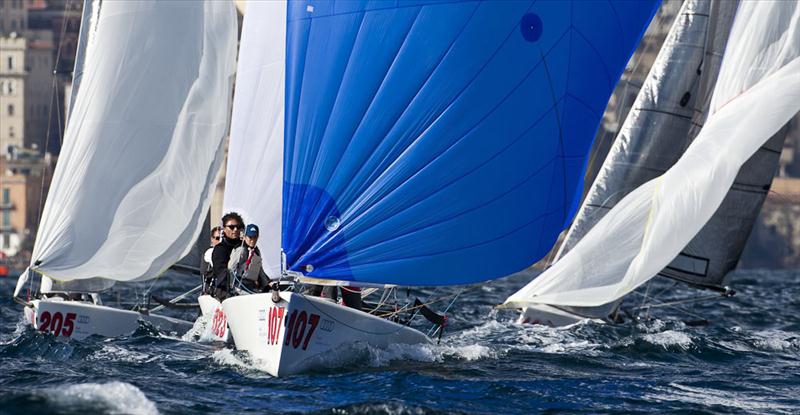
point(689, 223)
point(418, 144)
point(662, 121)
point(141, 152)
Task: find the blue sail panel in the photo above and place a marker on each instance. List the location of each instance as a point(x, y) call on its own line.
point(442, 142)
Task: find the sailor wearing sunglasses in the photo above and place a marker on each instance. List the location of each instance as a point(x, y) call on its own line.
point(232, 225)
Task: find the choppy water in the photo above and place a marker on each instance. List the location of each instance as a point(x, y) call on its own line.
point(746, 361)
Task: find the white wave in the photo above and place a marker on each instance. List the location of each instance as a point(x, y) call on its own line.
point(240, 360)
point(115, 397)
point(110, 352)
point(554, 340)
point(706, 397)
point(428, 353)
point(197, 330)
point(776, 340)
point(669, 338)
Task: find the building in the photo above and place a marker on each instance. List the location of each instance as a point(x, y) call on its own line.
point(12, 92)
point(24, 182)
point(13, 16)
point(26, 65)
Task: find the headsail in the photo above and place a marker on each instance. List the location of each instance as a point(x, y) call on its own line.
point(661, 123)
point(442, 142)
point(254, 176)
point(88, 32)
point(144, 142)
point(757, 92)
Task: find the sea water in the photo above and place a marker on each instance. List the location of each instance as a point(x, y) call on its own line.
point(746, 360)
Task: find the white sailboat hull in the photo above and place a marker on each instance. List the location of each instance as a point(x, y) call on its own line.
point(79, 320)
point(549, 316)
point(217, 327)
point(299, 332)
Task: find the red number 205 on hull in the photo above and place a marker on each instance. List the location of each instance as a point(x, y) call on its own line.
point(57, 323)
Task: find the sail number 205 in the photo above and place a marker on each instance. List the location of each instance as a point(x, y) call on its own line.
point(300, 327)
point(57, 323)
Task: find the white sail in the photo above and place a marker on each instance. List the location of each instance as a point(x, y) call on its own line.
point(143, 144)
point(254, 177)
point(758, 91)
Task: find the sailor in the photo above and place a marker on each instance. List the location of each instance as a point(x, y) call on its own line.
point(205, 262)
point(245, 263)
point(232, 225)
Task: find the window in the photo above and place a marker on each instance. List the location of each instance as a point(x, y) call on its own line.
point(6, 196)
point(6, 218)
point(11, 132)
point(10, 109)
point(10, 62)
point(7, 87)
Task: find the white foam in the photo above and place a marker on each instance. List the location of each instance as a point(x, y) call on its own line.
point(110, 352)
point(196, 333)
point(706, 397)
point(239, 360)
point(116, 397)
point(776, 340)
point(669, 338)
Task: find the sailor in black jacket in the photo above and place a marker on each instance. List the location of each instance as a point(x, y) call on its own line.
point(231, 239)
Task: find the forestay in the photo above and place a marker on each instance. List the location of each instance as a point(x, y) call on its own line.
point(434, 142)
point(758, 91)
point(144, 142)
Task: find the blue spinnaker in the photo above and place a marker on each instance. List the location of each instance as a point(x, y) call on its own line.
point(442, 142)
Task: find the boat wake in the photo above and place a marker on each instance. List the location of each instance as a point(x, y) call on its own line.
point(112, 397)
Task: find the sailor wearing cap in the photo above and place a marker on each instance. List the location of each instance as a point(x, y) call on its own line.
point(245, 264)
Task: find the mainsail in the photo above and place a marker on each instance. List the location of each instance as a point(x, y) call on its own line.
point(756, 94)
point(144, 142)
point(423, 143)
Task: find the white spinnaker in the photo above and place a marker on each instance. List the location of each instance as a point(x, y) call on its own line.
point(757, 92)
point(254, 177)
point(144, 142)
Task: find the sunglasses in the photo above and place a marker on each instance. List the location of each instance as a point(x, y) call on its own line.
point(232, 227)
point(214, 236)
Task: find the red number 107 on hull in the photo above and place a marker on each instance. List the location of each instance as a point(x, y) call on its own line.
point(296, 327)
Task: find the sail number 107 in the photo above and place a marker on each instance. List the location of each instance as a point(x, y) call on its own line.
point(300, 327)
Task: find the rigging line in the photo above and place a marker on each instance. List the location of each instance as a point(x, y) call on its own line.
point(560, 129)
point(685, 301)
point(668, 305)
point(53, 97)
point(321, 311)
point(428, 301)
point(644, 300)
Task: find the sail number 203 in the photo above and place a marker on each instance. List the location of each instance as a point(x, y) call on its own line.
point(57, 323)
point(300, 327)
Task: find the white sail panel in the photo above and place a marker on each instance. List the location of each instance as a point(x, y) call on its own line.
point(254, 177)
point(757, 92)
point(143, 144)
